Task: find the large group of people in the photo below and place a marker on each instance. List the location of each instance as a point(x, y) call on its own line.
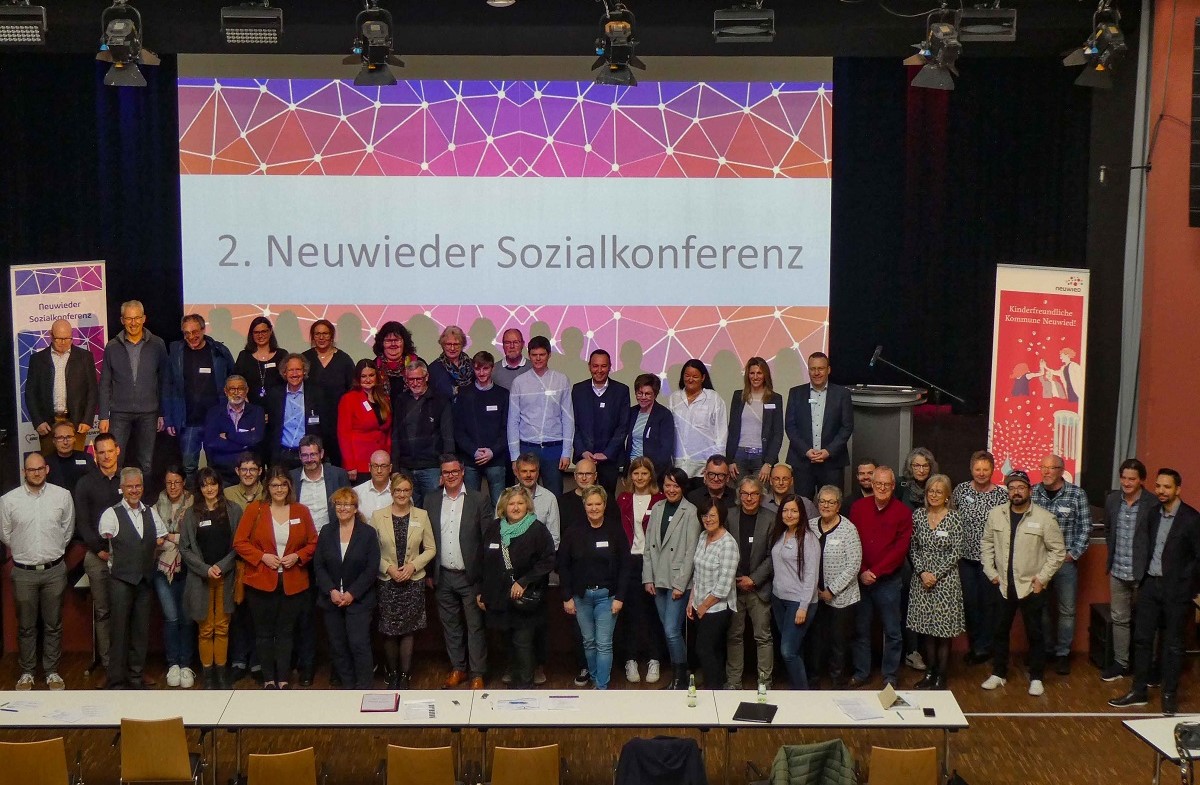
point(352, 489)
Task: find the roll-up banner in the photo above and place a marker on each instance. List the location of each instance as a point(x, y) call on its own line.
point(1039, 363)
point(42, 294)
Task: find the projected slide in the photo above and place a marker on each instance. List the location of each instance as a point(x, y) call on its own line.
point(660, 222)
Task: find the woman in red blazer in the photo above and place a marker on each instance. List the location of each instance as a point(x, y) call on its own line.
point(364, 420)
point(276, 539)
point(642, 638)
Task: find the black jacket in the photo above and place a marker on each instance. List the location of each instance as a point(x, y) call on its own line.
point(356, 573)
point(772, 427)
point(1180, 553)
point(422, 429)
point(481, 420)
point(1112, 509)
point(82, 390)
point(476, 513)
point(578, 547)
point(836, 428)
point(661, 759)
point(601, 421)
point(532, 557)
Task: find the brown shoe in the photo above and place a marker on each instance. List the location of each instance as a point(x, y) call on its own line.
point(454, 679)
point(477, 683)
point(147, 681)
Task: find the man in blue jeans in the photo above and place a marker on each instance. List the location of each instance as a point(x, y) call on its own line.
point(1069, 506)
point(884, 525)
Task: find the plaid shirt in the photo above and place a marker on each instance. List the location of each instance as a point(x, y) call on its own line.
point(974, 506)
point(1074, 515)
point(1126, 523)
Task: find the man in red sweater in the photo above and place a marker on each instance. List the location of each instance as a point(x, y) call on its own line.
point(884, 526)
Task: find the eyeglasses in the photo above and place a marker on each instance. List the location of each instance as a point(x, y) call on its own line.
point(133, 319)
point(380, 466)
point(278, 486)
point(402, 490)
point(827, 502)
point(345, 505)
point(261, 331)
point(883, 484)
point(447, 344)
point(416, 379)
point(750, 494)
point(65, 437)
point(716, 475)
point(248, 470)
point(393, 339)
point(174, 482)
point(38, 469)
point(237, 389)
point(451, 472)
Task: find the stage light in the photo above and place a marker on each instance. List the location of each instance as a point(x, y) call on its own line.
point(121, 45)
point(987, 24)
point(615, 46)
point(747, 22)
point(938, 53)
point(22, 23)
point(252, 23)
point(501, 3)
point(373, 47)
point(1102, 50)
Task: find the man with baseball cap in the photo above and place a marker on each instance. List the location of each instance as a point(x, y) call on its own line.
point(1022, 549)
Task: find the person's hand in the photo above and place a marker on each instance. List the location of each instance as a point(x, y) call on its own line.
point(617, 605)
point(676, 594)
point(734, 471)
point(43, 429)
point(690, 612)
point(335, 597)
point(801, 615)
point(406, 572)
point(352, 474)
point(103, 555)
point(290, 561)
point(928, 579)
point(271, 560)
point(214, 572)
point(826, 595)
point(699, 611)
point(814, 456)
point(222, 436)
point(158, 425)
point(517, 591)
point(587, 455)
point(428, 582)
point(649, 589)
point(996, 580)
point(744, 583)
point(764, 475)
point(347, 598)
point(822, 456)
point(867, 578)
point(599, 457)
point(170, 430)
point(1038, 588)
point(569, 607)
point(479, 602)
point(483, 456)
point(104, 424)
point(563, 463)
point(83, 428)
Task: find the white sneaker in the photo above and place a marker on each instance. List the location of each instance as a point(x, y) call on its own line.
point(653, 672)
point(173, 676)
point(25, 682)
point(915, 661)
point(631, 672)
point(55, 682)
point(1036, 688)
point(994, 681)
point(187, 678)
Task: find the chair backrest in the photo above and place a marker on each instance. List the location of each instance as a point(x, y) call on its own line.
point(286, 768)
point(525, 765)
point(154, 751)
point(34, 762)
point(420, 765)
point(903, 767)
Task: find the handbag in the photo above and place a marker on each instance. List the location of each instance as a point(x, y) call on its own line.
point(531, 599)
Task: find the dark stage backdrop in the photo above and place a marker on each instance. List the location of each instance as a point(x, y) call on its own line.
point(930, 191)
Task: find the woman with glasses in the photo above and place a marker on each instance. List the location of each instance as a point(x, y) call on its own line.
point(364, 421)
point(451, 370)
point(394, 352)
point(935, 607)
point(406, 546)
point(260, 362)
point(755, 424)
point(840, 552)
point(332, 371)
point(919, 466)
point(170, 581)
point(207, 548)
point(651, 425)
point(714, 597)
point(276, 539)
point(345, 567)
point(701, 419)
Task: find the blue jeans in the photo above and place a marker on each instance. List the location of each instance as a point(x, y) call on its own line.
point(1065, 585)
point(179, 635)
point(593, 611)
point(671, 615)
point(474, 477)
point(142, 426)
point(791, 638)
point(883, 596)
point(425, 481)
point(191, 439)
point(548, 458)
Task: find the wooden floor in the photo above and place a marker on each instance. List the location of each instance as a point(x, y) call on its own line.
point(1069, 735)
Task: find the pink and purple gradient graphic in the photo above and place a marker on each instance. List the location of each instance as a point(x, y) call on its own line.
point(681, 130)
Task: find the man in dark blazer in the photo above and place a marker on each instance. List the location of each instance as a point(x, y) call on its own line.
point(750, 524)
point(1166, 552)
point(77, 392)
point(293, 411)
point(455, 572)
point(601, 420)
point(1126, 511)
point(818, 458)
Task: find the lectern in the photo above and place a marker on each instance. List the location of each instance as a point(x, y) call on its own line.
point(883, 423)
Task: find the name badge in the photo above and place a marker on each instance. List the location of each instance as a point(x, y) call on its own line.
point(967, 500)
point(1034, 527)
point(813, 401)
point(602, 404)
point(750, 539)
point(269, 365)
point(1064, 509)
point(940, 533)
point(245, 430)
point(120, 492)
point(81, 462)
point(367, 405)
point(204, 370)
point(314, 420)
point(491, 408)
point(494, 546)
point(293, 521)
point(601, 543)
point(202, 524)
point(549, 393)
point(834, 541)
point(768, 406)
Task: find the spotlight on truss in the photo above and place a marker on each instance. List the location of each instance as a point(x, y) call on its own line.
point(938, 53)
point(121, 45)
point(615, 46)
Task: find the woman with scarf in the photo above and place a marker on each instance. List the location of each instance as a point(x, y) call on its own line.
point(452, 370)
point(179, 641)
point(394, 351)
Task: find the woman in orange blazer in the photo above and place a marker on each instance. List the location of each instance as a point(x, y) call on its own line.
point(276, 538)
point(364, 422)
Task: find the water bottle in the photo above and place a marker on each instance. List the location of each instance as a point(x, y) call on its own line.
point(692, 691)
point(762, 692)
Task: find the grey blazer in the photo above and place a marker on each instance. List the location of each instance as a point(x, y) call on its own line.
point(762, 569)
point(195, 593)
point(667, 561)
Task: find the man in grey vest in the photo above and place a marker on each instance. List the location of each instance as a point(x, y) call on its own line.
point(134, 532)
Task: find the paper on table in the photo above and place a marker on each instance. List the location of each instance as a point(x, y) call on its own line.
point(563, 703)
point(93, 711)
point(858, 709)
point(420, 710)
point(65, 716)
point(19, 705)
point(521, 704)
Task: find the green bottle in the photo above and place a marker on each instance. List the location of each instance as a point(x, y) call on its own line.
point(692, 691)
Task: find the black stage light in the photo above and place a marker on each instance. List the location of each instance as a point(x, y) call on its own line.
point(252, 23)
point(615, 46)
point(22, 24)
point(121, 45)
point(987, 23)
point(747, 22)
point(1102, 50)
point(501, 3)
point(938, 53)
point(373, 47)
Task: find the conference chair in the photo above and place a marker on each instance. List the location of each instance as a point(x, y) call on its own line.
point(419, 766)
point(527, 766)
point(820, 762)
point(903, 767)
point(662, 758)
point(38, 763)
point(285, 768)
point(156, 751)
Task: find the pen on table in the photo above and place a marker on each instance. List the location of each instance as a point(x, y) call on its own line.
point(564, 696)
point(900, 714)
point(456, 703)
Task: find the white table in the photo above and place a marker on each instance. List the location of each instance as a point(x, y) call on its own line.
point(1159, 733)
point(816, 709)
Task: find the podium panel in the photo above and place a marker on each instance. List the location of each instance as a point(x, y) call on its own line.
point(883, 423)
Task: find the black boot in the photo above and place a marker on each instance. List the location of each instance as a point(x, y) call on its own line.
point(927, 681)
point(206, 673)
point(940, 682)
point(402, 682)
point(224, 680)
point(681, 677)
point(393, 680)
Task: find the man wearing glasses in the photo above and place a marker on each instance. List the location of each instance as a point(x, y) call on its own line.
point(37, 521)
point(376, 492)
point(198, 368)
point(67, 464)
point(750, 524)
point(513, 363)
point(242, 656)
point(293, 412)
point(230, 430)
point(131, 385)
point(61, 387)
point(422, 431)
point(885, 527)
point(716, 483)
